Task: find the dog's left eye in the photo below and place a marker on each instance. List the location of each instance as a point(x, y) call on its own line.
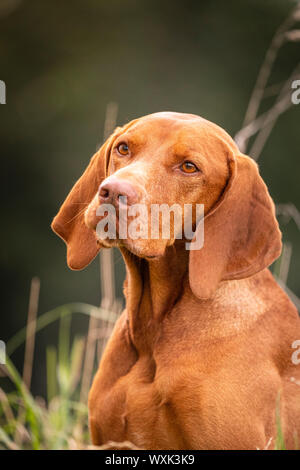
point(188, 167)
point(123, 149)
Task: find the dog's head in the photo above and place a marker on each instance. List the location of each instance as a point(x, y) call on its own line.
point(176, 160)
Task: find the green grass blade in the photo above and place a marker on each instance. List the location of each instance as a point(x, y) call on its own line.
point(53, 315)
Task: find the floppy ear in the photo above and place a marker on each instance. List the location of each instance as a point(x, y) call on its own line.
point(241, 233)
point(69, 222)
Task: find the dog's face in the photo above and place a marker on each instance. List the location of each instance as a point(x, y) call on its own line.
point(168, 159)
point(173, 159)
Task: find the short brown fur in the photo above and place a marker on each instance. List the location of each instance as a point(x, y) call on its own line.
point(203, 350)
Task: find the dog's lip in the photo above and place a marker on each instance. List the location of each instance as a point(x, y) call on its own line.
point(127, 243)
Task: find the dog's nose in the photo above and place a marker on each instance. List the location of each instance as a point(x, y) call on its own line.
point(113, 189)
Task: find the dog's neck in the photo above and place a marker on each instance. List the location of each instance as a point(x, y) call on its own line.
point(152, 288)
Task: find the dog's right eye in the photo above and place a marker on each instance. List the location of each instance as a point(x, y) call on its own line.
point(123, 149)
point(188, 167)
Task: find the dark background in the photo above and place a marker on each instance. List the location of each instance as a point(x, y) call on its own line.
point(63, 62)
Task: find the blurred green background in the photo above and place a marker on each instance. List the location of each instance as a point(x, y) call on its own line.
point(63, 62)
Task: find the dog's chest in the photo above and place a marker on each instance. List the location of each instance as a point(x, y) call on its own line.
point(136, 409)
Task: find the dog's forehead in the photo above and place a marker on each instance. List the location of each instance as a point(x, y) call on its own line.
point(166, 123)
point(176, 127)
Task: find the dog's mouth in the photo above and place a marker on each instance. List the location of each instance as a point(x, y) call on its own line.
point(120, 229)
point(149, 250)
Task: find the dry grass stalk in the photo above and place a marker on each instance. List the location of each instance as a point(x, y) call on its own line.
point(264, 123)
point(282, 104)
point(289, 211)
point(8, 413)
point(29, 351)
point(107, 272)
point(285, 262)
point(88, 360)
point(290, 293)
point(107, 281)
point(265, 71)
point(30, 331)
point(110, 119)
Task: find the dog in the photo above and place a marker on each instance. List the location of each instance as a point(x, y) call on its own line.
point(201, 358)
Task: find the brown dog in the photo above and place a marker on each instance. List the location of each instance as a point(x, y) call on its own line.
point(203, 351)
